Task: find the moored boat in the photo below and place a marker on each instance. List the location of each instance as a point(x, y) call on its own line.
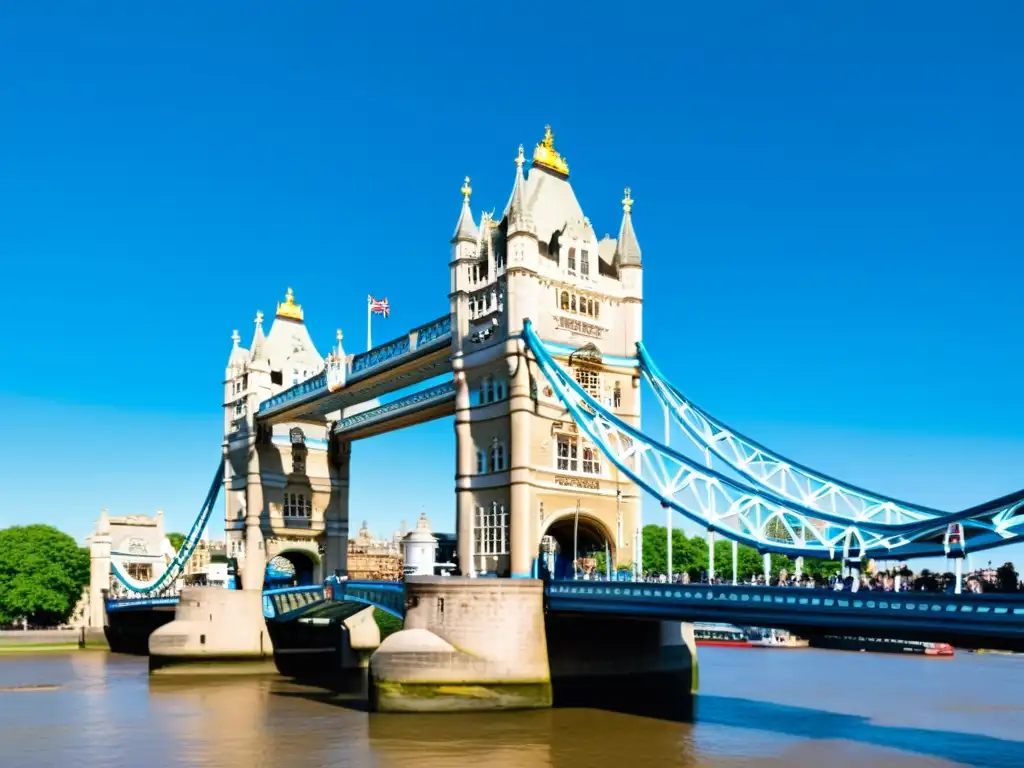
point(881, 645)
point(720, 634)
point(774, 638)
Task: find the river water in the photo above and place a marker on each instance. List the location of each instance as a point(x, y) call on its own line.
point(757, 707)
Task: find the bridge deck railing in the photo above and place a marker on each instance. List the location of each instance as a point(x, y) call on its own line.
point(980, 614)
point(437, 333)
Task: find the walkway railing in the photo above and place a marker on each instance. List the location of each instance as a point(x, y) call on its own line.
point(424, 338)
point(414, 402)
point(882, 613)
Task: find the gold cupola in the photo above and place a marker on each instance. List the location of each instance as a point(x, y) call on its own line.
point(288, 309)
point(546, 156)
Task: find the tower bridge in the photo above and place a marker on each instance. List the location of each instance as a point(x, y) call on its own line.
point(540, 359)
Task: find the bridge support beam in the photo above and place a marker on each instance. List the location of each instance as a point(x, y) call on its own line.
point(468, 645)
point(336, 518)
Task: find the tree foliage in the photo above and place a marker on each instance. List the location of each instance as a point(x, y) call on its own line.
point(690, 555)
point(42, 573)
point(176, 539)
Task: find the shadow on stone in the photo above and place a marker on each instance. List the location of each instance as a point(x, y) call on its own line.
point(636, 667)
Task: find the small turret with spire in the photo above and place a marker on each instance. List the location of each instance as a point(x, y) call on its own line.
point(466, 230)
point(627, 249)
point(519, 219)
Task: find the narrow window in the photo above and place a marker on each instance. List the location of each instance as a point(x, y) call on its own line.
point(572, 259)
point(584, 263)
point(565, 300)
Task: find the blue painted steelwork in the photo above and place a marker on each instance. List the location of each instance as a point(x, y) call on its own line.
point(382, 354)
point(389, 596)
point(433, 331)
point(883, 614)
point(139, 603)
point(989, 524)
point(432, 335)
point(760, 518)
point(177, 565)
point(284, 603)
point(427, 397)
point(313, 386)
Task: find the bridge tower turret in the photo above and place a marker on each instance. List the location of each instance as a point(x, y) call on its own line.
point(281, 485)
point(526, 478)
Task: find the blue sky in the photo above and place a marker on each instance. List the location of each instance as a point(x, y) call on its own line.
point(827, 195)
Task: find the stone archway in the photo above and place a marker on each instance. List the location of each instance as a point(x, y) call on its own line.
point(291, 568)
point(565, 536)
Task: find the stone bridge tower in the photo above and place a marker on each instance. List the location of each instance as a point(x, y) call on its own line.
point(527, 481)
point(285, 493)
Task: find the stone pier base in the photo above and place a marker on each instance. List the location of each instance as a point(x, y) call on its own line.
point(644, 667)
point(468, 645)
point(214, 631)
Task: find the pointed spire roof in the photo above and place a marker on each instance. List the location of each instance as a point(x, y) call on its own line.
point(627, 249)
point(519, 218)
point(259, 342)
point(466, 229)
point(238, 355)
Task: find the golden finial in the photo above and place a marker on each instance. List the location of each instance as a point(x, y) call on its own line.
point(259, 318)
point(466, 190)
point(520, 158)
point(546, 156)
point(288, 308)
point(627, 202)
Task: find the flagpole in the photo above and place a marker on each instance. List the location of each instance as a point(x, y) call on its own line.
point(369, 318)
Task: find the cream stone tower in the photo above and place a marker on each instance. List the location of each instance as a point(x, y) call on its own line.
point(285, 492)
point(526, 480)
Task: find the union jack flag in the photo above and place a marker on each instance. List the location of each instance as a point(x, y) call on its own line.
point(379, 306)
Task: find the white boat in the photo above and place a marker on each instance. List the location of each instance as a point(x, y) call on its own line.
point(774, 638)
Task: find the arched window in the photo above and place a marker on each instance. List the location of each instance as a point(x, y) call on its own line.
point(481, 462)
point(497, 457)
point(500, 392)
point(565, 300)
point(597, 309)
point(486, 390)
point(572, 259)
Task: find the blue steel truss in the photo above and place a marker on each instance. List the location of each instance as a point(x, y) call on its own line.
point(177, 565)
point(428, 337)
point(389, 596)
point(416, 401)
point(763, 519)
point(770, 470)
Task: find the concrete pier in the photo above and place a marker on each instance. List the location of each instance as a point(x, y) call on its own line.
point(214, 631)
point(468, 645)
point(646, 667)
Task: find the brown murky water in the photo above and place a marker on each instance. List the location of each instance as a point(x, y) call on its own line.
point(757, 708)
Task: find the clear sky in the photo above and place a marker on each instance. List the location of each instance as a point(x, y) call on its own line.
point(828, 197)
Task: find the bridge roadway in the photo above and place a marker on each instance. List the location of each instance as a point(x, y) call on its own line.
point(994, 621)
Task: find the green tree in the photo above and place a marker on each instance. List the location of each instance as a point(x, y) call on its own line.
point(176, 539)
point(42, 573)
point(1007, 578)
point(821, 569)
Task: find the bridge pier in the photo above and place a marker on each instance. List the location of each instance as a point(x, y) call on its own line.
point(468, 645)
point(214, 631)
point(639, 666)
